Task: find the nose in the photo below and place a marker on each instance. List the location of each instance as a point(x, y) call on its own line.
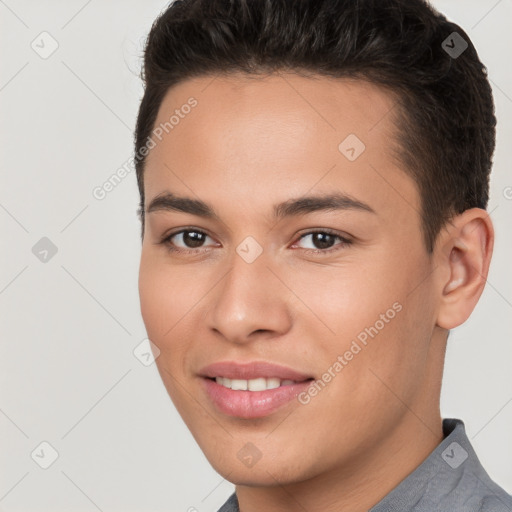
point(250, 302)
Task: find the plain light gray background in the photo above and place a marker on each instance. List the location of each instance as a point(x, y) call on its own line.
point(68, 373)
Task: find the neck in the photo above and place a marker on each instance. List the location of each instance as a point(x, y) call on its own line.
point(362, 485)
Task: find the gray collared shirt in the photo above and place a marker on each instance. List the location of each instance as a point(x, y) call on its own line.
point(450, 479)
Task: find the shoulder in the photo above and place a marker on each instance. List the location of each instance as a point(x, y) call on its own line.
point(487, 495)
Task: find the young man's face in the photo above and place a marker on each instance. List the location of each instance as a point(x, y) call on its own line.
point(359, 317)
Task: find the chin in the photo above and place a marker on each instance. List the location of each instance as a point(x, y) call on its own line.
point(266, 472)
point(264, 476)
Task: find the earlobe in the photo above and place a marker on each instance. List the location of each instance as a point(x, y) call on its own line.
point(466, 258)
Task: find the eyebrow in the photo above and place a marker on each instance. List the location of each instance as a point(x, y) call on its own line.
point(292, 207)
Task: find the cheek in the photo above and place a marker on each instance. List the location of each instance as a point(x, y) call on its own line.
point(376, 311)
point(397, 325)
point(162, 302)
point(153, 300)
point(162, 306)
point(345, 299)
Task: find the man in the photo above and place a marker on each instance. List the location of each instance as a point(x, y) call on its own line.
point(313, 179)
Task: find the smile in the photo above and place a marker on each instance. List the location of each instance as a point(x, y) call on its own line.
point(258, 384)
point(253, 398)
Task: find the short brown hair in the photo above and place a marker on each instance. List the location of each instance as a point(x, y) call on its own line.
point(445, 109)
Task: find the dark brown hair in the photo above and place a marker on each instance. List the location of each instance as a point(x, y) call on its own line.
point(445, 110)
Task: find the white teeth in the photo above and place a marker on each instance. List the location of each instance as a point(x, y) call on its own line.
point(239, 384)
point(273, 382)
point(258, 384)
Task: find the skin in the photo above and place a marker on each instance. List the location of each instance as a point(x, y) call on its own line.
point(246, 146)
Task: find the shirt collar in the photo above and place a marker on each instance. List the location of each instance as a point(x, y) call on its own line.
point(450, 478)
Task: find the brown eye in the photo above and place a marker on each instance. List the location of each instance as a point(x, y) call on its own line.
point(323, 241)
point(192, 239)
point(186, 240)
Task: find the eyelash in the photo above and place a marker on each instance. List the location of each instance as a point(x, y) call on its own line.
point(166, 240)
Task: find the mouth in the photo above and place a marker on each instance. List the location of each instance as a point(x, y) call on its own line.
point(252, 390)
point(250, 404)
point(256, 384)
point(253, 398)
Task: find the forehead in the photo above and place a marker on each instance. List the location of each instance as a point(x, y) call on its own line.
point(251, 139)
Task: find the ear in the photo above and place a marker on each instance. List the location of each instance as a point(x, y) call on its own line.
point(464, 252)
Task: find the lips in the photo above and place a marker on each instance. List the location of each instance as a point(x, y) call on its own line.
point(251, 404)
point(245, 403)
point(252, 370)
